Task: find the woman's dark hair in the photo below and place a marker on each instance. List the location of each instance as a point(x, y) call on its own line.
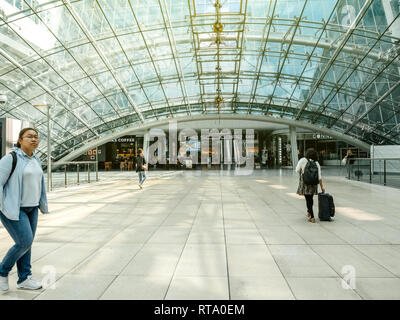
point(21, 133)
point(311, 154)
point(140, 150)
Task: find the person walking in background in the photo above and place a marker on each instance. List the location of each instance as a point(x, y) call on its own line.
point(348, 161)
point(310, 176)
point(141, 166)
point(22, 191)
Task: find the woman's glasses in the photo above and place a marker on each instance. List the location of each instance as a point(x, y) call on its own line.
point(31, 137)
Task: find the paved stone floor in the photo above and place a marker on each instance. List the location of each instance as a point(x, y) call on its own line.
point(206, 235)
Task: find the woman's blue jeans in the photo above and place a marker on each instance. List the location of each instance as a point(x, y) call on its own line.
point(142, 176)
point(22, 232)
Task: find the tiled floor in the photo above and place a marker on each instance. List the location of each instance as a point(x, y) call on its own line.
point(207, 235)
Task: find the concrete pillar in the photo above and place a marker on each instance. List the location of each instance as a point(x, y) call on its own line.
point(146, 143)
point(293, 144)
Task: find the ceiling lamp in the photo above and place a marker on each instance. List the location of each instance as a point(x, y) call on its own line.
point(218, 27)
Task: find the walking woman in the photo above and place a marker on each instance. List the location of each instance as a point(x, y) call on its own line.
point(141, 166)
point(309, 190)
point(22, 194)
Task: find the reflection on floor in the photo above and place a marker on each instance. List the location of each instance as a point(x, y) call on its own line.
point(207, 235)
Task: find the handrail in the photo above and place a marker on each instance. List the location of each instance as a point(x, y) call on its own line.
point(374, 158)
point(373, 170)
point(70, 162)
point(77, 164)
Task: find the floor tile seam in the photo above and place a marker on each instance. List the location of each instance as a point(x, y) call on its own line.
point(181, 253)
point(50, 252)
point(308, 245)
point(391, 275)
point(93, 253)
point(386, 225)
point(199, 276)
point(269, 250)
point(107, 287)
point(52, 233)
point(156, 229)
point(373, 259)
point(322, 258)
point(334, 277)
point(113, 280)
point(93, 227)
point(356, 226)
point(225, 245)
point(271, 208)
point(140, 248)
point(329, 232)
point(378, 244)
point(69, 271)
point(35, 260)
point(362, 253)
point(64, 243)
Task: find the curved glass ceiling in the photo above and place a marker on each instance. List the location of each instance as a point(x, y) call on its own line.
point(106, 65)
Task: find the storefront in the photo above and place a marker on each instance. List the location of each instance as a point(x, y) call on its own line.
point(330, 151)
point(116, 154)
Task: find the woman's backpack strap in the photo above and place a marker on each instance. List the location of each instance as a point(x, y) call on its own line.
point(14, 164)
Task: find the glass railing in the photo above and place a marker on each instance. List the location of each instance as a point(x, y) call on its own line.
point(67, 174)
point(384, 171)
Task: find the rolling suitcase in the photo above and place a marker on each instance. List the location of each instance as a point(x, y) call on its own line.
point(326, 207)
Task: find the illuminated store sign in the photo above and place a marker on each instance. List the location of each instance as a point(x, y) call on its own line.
point(123, 140)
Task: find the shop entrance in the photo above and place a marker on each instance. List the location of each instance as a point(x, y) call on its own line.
point(121, 153)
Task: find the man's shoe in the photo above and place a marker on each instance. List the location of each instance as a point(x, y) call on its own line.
point(3, 283)
point(29, 284)
point(312, 220)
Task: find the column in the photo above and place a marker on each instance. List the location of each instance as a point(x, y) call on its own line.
point(293, 143)
point(146, 143)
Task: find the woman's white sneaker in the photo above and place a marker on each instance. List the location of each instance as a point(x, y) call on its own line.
point(29, 284)
point(3, 283)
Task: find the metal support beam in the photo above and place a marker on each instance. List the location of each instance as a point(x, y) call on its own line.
point(175, 53)
point(293, 144)
point(372, 107)
point(282, 62)
point(156, 124)
point(338, 50)
point(139, 25)
point(101, 54)
point(44, 88)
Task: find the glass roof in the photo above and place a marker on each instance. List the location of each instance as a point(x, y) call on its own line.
point(107, 65)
